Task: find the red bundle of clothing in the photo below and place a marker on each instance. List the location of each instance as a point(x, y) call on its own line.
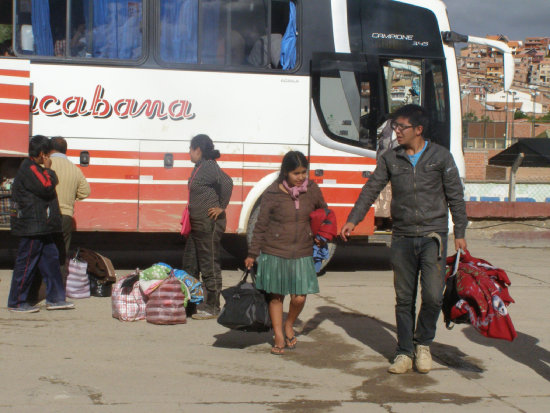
point(323, 223)
point(476, 292)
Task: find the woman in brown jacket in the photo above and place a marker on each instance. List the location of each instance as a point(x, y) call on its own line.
point(282, 244)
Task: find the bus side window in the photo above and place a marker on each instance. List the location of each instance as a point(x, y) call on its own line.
point(278, 51)
point(436, 98)
point(227, 33)
point(103, 29)
point(403, 83)
point(6, 28)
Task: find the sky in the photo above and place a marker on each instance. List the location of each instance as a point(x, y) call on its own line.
point(517, 19)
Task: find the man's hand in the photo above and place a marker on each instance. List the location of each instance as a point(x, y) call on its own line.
point(346, 230)
point(214, 213)
point(47, 161)
point(460, 243)
point(249, 262)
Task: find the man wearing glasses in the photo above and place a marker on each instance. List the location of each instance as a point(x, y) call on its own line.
point(425, 185)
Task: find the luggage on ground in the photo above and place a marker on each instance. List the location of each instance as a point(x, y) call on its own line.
point(98, 265)
point(127, 299)
point(78, 283)
point(166, 303)
point(193, 285)
point(150, 278)
point(246, 308)
point(476, 292)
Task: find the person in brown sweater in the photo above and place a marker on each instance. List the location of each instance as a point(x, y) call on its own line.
point(72, 187)
point(282, 244)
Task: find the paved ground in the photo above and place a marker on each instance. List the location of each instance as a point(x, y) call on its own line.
point(85, 361)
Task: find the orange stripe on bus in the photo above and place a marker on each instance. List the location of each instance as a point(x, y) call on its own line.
point(15, 73)
point(14, 112)
point(14, 92)
point(15, 137)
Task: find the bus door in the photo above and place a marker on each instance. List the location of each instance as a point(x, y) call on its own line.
point(164, 171)
point(344, 95)
point(421, 82)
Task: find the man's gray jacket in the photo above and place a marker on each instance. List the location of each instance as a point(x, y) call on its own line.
point(421, 195)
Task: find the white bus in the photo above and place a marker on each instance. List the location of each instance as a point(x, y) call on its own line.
point(128, 83)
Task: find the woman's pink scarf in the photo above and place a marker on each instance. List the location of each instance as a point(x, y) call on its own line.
point(295, 191)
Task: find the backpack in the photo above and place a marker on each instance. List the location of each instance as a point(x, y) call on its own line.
point(476, 292)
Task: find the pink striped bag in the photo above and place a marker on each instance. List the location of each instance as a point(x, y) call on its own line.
point(78, 283)
point(166, 303)
point(128, 302)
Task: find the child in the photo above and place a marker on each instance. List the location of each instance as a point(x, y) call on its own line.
point(35, 218)
point(282, 243)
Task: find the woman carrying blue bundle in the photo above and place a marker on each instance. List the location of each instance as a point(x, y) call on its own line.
point(282, 244)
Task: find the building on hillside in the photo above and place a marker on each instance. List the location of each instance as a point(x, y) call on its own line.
point(515, 98)
point(495, 71)
point(540, 43)
point(541, 73)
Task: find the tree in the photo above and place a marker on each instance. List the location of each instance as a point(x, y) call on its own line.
point(545, 118)
point(520, 115)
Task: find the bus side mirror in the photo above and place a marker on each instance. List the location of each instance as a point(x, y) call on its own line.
point(84, 158)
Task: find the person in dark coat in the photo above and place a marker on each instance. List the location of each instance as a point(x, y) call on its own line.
point(35, 218)
point(425, 184)
point(209, 193)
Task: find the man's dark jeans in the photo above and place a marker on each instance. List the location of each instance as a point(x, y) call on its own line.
point(413, 258)
point(202, 255)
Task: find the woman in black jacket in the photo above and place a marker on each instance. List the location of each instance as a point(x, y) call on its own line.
point(209, 194)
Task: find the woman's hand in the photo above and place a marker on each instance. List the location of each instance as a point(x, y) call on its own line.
point(249, 262)
point(214, 213)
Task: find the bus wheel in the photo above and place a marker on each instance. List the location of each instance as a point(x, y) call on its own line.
point(252, 222)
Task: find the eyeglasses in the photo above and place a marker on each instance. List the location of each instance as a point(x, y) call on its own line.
point(401, 127)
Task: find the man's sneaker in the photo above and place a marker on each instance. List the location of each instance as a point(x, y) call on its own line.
point(423, 359)
point(24, 308)
point(401, 364)
point(60, 305)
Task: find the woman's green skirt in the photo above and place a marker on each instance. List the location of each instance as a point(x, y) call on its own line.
point(286, 275)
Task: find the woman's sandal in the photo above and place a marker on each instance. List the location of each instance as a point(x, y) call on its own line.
point(291, 342)
point(277, 351)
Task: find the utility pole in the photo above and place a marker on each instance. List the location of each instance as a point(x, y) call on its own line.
point(485, 118)
point(534, 96)
point(514, 93)
point(506, 121)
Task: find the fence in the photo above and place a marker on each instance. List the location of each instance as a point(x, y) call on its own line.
point(493, 191)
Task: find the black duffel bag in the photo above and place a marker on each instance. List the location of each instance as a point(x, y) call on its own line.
point(246, 308)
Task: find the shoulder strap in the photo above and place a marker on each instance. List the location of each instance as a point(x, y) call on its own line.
point(193, 177)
